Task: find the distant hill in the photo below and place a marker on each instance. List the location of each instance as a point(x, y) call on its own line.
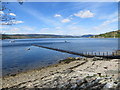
point(23, 36)
point(89, 35)
point(113, 34)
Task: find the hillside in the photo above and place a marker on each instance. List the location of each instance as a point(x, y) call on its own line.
point(23, 36)
point(113, 34)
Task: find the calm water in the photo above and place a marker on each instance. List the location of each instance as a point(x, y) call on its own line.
point(17, 58)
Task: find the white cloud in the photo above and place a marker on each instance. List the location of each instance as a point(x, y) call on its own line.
point(12, 14)
point(68, 30)
point(19, 30)
point(1, 27)
point(57, 15)
point(108, 17)
point(109, 21)
point(44, 29)
point(58, 28)
point(27, 28)
point(65, 20)
point(106, 26)
point(84, 14)
point(75, 30)
point(17, 22)
point(11, 22)
point(13, 30)
point(1, 12)
point(45, 20)
point(54, 30)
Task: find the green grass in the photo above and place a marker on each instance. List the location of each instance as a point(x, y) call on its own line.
point(112, 34)
point(68, 60)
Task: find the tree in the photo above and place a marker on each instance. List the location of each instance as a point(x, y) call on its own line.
point(6, 14)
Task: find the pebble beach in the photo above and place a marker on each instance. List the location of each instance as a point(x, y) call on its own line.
point(71, 73)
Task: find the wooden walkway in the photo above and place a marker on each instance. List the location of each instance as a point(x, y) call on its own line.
point(113, 55)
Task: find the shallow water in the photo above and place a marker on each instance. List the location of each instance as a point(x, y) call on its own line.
point(16, 57)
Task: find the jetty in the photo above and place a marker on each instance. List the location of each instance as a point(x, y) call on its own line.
point(110, 55)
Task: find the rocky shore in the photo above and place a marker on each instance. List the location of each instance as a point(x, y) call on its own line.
point(72, 73)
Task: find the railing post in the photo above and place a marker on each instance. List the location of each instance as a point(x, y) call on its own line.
point(107, 53)
point(113, 53)
point(103, 53)
point(116, 53)
point(92, 53)
point(99, 53)
point(95, 53)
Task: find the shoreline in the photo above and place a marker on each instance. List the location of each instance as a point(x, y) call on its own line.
point(61, 37)
point(27, 71)
point(59, 62)
point(68, 69)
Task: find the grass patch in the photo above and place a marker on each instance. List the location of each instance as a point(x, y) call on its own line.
point(68, 60)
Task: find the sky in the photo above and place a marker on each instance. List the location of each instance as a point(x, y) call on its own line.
point(62, 18)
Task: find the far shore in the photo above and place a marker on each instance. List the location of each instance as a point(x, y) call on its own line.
point(69, 73)
point(58, 37)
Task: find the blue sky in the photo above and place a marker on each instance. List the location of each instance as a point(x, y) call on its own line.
point(62, 18)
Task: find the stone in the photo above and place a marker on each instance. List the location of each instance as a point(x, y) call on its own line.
point(97, 58)
point(118, 85)
point(77, 58)
point(30, 85)
point(67, 71)
point(74, 86)
point(84, 58)
point(109, 85)
point(98, 87)
point(105, 67)
point(80, 82)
